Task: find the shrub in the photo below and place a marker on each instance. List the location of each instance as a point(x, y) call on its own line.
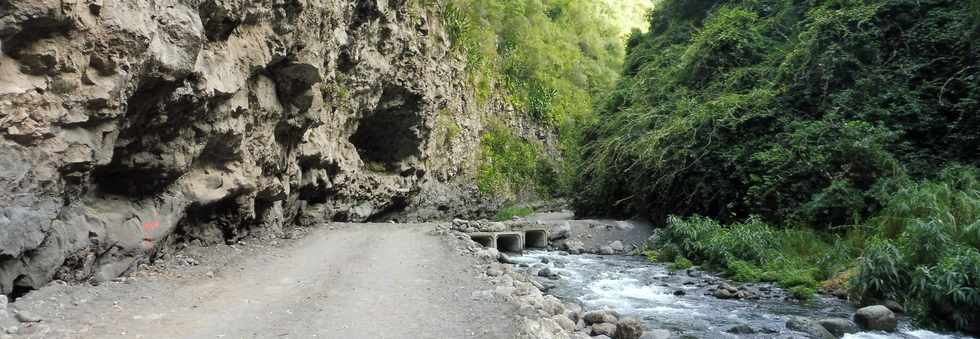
point(681, 263)
point(928, 255)
point(508, 164)
point(752, 250)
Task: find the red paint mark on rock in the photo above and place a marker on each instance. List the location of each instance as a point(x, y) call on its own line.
point(151, 225)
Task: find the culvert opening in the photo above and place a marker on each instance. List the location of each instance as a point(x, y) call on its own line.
point(536, 239)
point(485, 240)
point(509, 242)
point(393, 131)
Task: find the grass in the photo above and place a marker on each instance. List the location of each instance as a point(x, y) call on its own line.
point(512, 211)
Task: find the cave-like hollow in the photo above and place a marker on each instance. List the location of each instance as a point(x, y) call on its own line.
point(393, 131)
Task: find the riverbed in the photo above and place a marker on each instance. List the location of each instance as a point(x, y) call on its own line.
point(682, 301)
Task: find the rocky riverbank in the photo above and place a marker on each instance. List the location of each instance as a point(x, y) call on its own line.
point(541, 315)
point(585, 286)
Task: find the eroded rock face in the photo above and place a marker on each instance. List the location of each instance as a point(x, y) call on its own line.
point(128, 125)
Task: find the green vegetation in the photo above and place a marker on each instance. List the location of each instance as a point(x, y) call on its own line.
point(509, 165)
point(547, 58)
point(754, 251)
point(509, 212)
point(925, 252)
point(814, 137)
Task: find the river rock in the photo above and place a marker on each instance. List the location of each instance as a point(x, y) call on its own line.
point(488, 254)
point(602, 316)
point(560, 231)
point(725, 291)
point(548, 273)
point(838, 326)
point(553, 306)
point(607, 329)
point(810, 327)
point(617, 246)
point(573, 311)
point(741, 329)
point(567, 324)
point(574, 246)
point(876, 318)
point(629, 328)
point(494, 272)
point(606, 250)
point(3, 303)
point(656, 334)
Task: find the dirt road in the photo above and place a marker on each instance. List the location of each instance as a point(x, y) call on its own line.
point(341, 281)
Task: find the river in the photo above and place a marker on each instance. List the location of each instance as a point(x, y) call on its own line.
point(682, 303)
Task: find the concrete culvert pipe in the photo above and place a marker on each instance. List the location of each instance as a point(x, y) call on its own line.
point(484, 239)
point(510, 242)
point(536, 239)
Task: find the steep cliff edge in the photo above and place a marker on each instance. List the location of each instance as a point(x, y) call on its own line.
point(126, 126)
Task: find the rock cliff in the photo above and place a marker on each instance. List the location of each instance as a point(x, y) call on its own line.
point(128, 126)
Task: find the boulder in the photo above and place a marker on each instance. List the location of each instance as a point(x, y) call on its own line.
point(810, 327)
point(3, 303)
point(617, 246)
point(553, 306)
point(606, 250)
point(574, 246)
point(876, 318)
point(838, 326)
point(596, 317)
point(629, 328)
point(560, 231)
point(606, 329)
point(566, 324)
